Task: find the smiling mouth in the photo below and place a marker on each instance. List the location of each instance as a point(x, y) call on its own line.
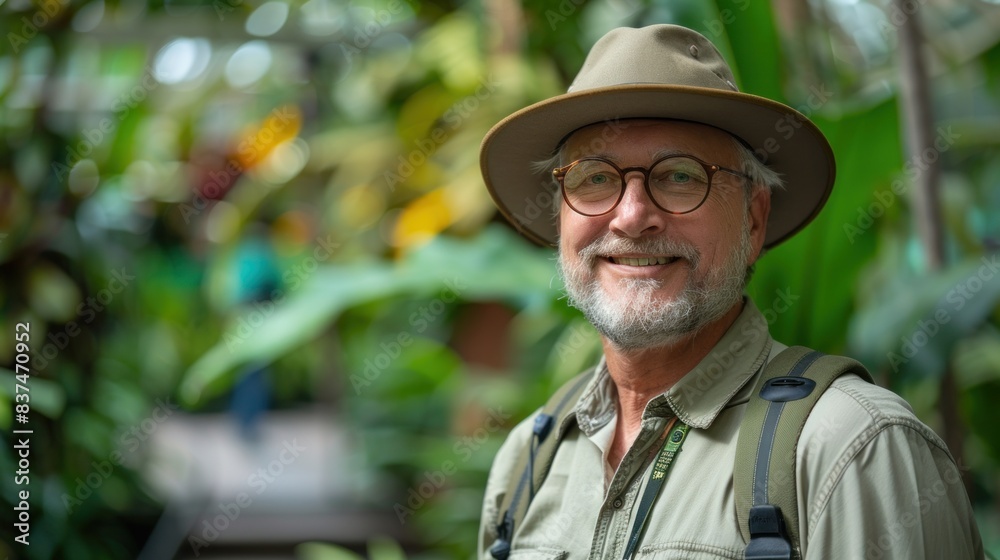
point(642, 261)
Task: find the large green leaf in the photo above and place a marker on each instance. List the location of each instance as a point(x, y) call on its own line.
point(977, 360)
point(756, 47)
point(913, 325)
point(493, 265)
point(821, 264)
point(807, 283)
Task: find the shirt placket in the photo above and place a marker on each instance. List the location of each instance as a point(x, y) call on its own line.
point(614, 521)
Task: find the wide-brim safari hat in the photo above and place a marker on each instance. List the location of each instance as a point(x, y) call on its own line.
point(659, 71)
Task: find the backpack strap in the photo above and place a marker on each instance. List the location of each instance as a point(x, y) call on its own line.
point(535, 460)
point(764, 473)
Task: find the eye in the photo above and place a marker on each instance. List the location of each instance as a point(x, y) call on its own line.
point(591, 174)
point(678, 171)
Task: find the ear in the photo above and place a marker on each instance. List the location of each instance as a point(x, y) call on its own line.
point(758, 211)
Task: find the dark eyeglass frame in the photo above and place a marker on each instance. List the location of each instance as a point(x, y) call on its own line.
point(711, 169)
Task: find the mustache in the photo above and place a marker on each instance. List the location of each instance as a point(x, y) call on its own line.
point(610, 243)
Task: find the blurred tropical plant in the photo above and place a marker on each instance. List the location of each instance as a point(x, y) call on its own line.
point(378, 549)
point(315, 163)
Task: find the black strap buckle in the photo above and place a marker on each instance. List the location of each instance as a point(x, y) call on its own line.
point(768, 538)
point(501, 547)
point(542, 427)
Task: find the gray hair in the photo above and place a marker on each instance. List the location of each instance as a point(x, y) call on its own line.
point(761, 176)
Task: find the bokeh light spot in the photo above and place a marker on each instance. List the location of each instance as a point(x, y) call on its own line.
point(267, 19)
point(89, 16)
point(84, 178)
point(285, 161)
point(181, 60)
point(361, 206)
point(321, 17)
point(223, 222)
point(248, 64)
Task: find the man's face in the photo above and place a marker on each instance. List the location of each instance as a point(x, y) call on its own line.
point(705, 253)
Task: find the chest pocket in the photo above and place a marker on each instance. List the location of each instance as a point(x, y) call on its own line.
point(538, 554)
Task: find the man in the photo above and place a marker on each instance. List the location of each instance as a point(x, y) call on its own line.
point(662, 209)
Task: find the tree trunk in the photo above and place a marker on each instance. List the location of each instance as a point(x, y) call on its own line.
point(918, 129)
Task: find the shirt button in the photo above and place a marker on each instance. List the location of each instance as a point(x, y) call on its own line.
point(618, 503)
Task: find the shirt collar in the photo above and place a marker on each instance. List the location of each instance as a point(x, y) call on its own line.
point(699, 397)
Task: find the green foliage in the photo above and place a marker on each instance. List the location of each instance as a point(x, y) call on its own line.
point(814, 264)
point(378, 549)
point(494, 266)
point(355, 257)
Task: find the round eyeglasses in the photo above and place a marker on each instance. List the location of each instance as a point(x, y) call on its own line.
point(676, 184)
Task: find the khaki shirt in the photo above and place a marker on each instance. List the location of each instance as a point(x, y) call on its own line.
point(873, 481)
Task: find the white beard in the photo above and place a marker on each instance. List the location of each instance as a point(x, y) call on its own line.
point(633, 318)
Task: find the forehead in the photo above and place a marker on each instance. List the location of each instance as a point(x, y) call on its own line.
point(637, 140)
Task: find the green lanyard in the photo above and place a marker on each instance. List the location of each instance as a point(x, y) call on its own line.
point(660, 468)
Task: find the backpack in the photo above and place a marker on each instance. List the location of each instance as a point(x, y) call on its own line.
point(784, 395)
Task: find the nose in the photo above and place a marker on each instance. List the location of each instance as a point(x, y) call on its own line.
point(636, 215)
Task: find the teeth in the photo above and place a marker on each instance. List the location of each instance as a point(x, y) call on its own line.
point(643, 261)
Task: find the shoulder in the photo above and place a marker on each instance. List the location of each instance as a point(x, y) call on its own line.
point(861, 436)
point(849, 418)
point(875, 404)
point(869, 468)
point(852, 412)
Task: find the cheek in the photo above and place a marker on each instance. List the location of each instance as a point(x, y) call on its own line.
point(718, 234)
point(576, 231)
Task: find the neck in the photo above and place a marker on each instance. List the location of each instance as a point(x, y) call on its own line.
point(640, 375)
